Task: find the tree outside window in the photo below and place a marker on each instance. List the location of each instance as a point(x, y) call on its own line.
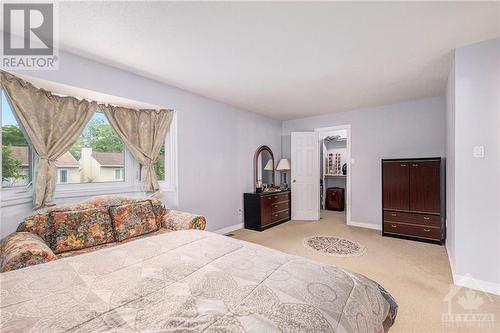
point(15, 150)
point(159, 164)
point(99, 152)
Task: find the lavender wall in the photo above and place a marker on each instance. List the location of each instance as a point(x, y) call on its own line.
point(474, 108)
point(216, 142)
point(411, 129)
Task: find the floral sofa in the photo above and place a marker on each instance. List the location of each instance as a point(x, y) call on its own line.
point(102, 221)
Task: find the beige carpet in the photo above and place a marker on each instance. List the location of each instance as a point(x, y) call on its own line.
point(416, 274)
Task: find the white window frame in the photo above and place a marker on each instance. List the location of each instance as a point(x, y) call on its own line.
point(59, 175)
point(171, 176)
point(120, 172)
point(131, 182)
point(17, 194)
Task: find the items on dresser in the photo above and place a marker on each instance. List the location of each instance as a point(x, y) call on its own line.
point(413, 199)
point(265, 210)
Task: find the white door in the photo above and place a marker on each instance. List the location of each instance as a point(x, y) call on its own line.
point(305, 175)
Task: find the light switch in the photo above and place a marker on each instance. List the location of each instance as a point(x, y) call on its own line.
point(478, 151)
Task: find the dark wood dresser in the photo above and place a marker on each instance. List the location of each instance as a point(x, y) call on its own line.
point(265, 210)
point(413, 199)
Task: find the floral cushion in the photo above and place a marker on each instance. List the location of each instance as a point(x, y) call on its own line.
point(133, 219)
point(110, 200)
point(39, 223)
point(176, 220)
point(79, 229)
point(159, 207)
point(160, 210)
point(22, 249)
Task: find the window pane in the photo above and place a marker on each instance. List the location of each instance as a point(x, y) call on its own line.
point(63, 176)
point(160, 165)
point(15, 151)
point(96, 155)
point(119, 174)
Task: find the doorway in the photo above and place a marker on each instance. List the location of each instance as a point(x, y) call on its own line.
point(335, 169)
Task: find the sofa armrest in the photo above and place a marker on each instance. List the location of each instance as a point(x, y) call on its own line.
point(176, 220)
point(22, 249)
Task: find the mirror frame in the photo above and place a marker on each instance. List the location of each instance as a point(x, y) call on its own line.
point(255, 163)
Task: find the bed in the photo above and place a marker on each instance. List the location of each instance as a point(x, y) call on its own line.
point(191, 281)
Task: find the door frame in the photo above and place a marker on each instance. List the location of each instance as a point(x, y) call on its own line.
point(346, 127)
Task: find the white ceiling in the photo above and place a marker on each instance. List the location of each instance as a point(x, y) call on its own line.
point(284, 60)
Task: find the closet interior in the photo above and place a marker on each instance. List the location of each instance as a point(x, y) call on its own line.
point(333, 154)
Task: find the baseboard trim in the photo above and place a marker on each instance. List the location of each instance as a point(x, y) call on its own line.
point(472, 283)
point(365, 225)
point(229, 229)
point(452, 264)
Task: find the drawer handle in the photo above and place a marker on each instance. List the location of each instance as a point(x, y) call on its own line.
point(427, 230)
point(403, 165)
point(414, 165)
point(393, 214)
point(269, 198)
point(426, 218)
point(394, 226)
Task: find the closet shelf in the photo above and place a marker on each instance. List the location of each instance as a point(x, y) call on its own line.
point(333, 175)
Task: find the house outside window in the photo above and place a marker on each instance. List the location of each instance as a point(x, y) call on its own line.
point(99, 151)
point(119, 174)
point(62, 176)
point(94, 165)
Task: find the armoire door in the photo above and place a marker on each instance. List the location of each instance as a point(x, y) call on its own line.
point(395, 184)
point(425, 186)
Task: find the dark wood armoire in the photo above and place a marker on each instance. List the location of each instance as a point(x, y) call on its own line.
point(413, 199)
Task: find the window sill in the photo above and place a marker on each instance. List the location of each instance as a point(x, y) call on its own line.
point(165, 187)
point(14, 197)
point(90, 192)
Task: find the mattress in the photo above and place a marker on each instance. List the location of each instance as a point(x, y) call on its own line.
point(191, 281)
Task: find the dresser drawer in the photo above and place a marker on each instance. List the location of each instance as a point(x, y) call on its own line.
point(280, 205)
point(277, 216)
point(265, 210)
point(412, 218)
point(275, 198)
point(412, 230)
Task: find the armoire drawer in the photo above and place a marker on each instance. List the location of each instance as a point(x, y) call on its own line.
point(412, 230)
point(413, 218)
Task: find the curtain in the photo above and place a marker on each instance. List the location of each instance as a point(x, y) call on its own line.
point(52, 123)
point(143, 131)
